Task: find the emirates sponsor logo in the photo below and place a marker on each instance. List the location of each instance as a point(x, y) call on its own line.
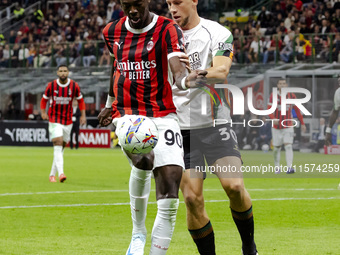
point(136, 70)
point(136, 66)
point(62, 100)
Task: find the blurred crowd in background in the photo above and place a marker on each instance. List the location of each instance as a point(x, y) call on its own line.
point(70, 33)
point(71, 29)
point(291, 29)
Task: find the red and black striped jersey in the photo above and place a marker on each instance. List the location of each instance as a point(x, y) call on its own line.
point(142, 78)
point(61, 97)
point(288, 116)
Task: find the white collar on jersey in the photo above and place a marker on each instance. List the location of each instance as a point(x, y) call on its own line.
point(194, 29)
point(64, 85)
point(143, 30)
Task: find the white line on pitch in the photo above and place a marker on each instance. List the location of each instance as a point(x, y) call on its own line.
point(64, 191)
point(207, 201)
point(302, 189)
point(125, 190)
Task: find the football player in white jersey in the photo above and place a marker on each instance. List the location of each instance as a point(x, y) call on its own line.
point(334, 115)
point(209, 47)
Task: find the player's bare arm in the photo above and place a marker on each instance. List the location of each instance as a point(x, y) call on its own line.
point(82, 119)
point(104, 116)
point(43, 104)
point(300, 117)
point(219, 71)
point(44, 115)
point(184, 58)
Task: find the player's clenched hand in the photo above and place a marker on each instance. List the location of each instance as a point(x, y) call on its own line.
point(303, 128)
point(196, 79)
point(44, 116)
point(328, 139)
point(104, 117)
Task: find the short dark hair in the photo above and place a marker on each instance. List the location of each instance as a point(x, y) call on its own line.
point(281, 79)
point(63, 65)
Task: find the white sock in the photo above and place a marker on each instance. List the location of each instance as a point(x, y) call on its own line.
point(53, 168)
point(277, 154)
point(289, 154)
point(164, 225)
point(139, 189)
point(59, 159)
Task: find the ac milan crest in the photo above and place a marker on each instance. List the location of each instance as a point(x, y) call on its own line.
point(149, 46)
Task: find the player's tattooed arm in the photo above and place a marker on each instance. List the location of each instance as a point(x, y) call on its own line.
point(104, 117)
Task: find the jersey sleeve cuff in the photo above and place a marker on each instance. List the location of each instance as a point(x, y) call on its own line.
point(45, 97)
point(175, 54)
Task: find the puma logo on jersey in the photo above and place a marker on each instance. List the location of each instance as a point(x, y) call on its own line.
point(179, 47)
point(119, 44)
point(56, 91)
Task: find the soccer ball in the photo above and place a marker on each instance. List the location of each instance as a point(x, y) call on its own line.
point(137, 134)
point(265, 147)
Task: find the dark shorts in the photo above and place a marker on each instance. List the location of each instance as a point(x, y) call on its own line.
point(209, 144)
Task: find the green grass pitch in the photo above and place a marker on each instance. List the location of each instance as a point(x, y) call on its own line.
point(89, 213)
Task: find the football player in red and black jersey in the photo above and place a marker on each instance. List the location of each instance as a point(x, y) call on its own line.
point(333, 116)
point(146, 48)
point(61, 93)
point(282, 130)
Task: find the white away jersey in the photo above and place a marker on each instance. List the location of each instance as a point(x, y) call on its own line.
point(337, 100)
point(203, 42)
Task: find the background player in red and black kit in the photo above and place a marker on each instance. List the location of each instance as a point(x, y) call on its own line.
point(144, 45)
point(61, 93)
point(283, 131)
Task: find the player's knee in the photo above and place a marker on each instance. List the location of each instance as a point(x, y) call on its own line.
point(145, 162)
point(234, 190)
point(57, 142)
point(194, 201)
point(169, 190)
point(166, 195)
point(288, 146)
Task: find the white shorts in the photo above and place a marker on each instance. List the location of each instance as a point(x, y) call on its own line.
point(282, 136)
point(58, 130)
point(167, 152)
